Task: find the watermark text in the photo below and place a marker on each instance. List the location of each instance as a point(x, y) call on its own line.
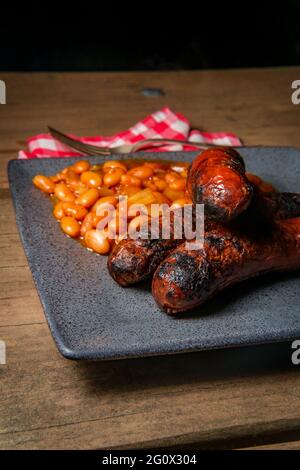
point(296, 94)
point(153, 221)
point(2, 92)
point(2, 352)
point(296, 354)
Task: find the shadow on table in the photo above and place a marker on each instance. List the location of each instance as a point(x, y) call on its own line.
point(231, 294)
point(189, 368)
point(169, 375)
point(197, 367)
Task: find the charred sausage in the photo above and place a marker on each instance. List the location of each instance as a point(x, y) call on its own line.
point(217, 179)
point(187, 278)
point(274, 205)
point(134, 260)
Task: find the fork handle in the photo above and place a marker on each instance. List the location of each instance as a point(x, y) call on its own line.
point(144, 144)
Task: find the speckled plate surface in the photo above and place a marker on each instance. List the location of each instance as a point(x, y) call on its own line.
point(91, 317)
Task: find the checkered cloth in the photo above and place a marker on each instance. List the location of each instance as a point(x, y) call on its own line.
point(162, 124)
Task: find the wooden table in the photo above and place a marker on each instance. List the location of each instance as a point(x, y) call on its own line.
point(221, 399)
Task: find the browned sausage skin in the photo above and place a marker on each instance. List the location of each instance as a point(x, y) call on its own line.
point(133, 261)
point(187, 278)
point(217, 179)
point(274, 206)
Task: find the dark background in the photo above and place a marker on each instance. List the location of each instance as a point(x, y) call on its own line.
point(149, 37)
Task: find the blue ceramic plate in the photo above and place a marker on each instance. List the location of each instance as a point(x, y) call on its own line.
point(91, 317)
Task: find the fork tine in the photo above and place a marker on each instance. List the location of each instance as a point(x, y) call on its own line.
point(77, 145)
point(81, 146)
point(65, 139)
point(69, 141)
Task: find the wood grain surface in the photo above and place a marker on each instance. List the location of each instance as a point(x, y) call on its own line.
point(221, 399)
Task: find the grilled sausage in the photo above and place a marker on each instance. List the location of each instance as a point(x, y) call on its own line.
point(217, 179)
point(133, 261)
point(187, 278)
point(274, 205)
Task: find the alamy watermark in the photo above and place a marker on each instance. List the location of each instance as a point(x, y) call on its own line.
point(2, 92)
point(2, 352)
point(296, 94)
point(295, 358)
point(156, 221)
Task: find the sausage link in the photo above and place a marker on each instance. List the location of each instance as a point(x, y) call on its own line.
point(217, 179)
point(187, 278)
point(134, 260)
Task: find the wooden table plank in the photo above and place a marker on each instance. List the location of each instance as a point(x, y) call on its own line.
point(293, 445)
point(213, 397)
point(109, 404)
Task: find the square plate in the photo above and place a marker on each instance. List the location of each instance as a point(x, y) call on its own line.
point(91, 317)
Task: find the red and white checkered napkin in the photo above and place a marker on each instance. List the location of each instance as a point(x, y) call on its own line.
point(162, 124)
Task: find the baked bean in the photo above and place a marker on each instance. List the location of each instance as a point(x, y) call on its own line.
point(157, 209)
point(123, 210)
point(172, 194)
point(149, 184)
point(103, 192)
point(74, 210)
point(105, 201)
point(44, 184)
point(72, 180)
point(61, 177)
point(171, 176)
point(142, 172)
point(96, 219)
point(160, 183)
point(160, 173)
point(138, 209)
point(129, 190)
point(145, 196)
point(130, 180)
point(178, 184)
point(87, 195)
point(113, 177)
point(81, 166)
point(184, 174)
point(97, 241)
point(70, 226)
point(117, 225)
point(54, 178)
point(156, 165)
point(63, 193)
point(91, 179)
point(180, 168)
point(87, 224)
point(96, 168)
point(136, 224)
point(160, 198)
point(81, 213)
point(80, 188)
point(181, 202)
point(58, 210)
point(88, 198)
point(111, 164)
point(107, 215)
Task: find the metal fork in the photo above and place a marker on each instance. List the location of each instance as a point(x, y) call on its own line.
point(89, 149)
